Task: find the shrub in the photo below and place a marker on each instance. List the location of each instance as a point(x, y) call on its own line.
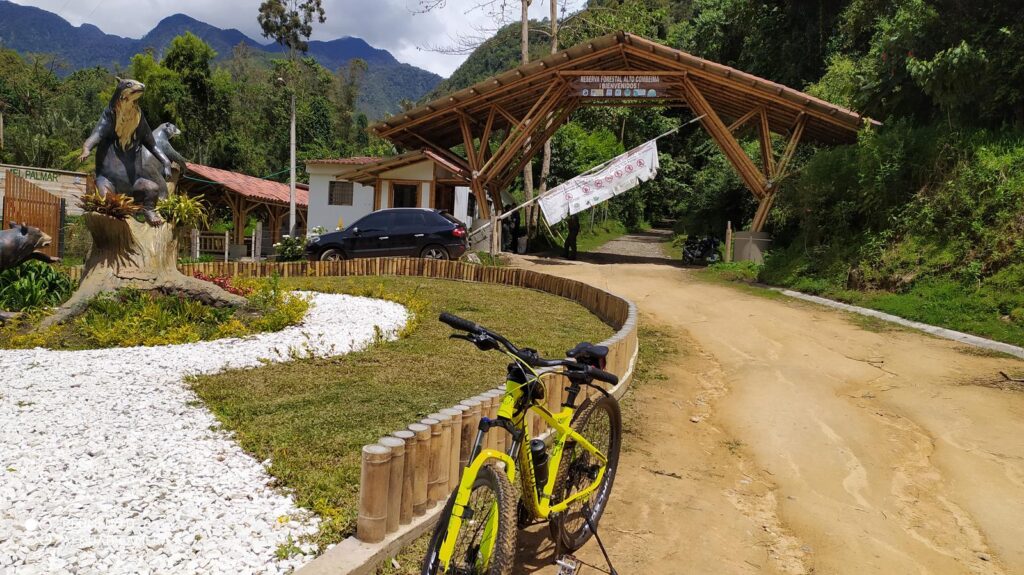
point(128, 318)
point(290, 249)
point(34, 285)
point(184, 211)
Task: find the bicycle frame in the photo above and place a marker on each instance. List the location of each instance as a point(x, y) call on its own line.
point(539, 503)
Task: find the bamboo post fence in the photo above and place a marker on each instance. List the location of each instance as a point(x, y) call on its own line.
point(421, 461)
point(408, 475)
point(397, 467)
point(404, 476)
point(374, 482)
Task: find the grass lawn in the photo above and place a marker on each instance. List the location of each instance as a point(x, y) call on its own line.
point(934, 301)
point(311, 417)
point(591, 238)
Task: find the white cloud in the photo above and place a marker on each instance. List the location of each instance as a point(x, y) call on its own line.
point(393, 25)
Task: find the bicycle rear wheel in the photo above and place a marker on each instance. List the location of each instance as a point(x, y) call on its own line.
point(600, 422)
point(486, 542)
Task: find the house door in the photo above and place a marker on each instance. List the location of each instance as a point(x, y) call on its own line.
point(444, 198)
point(405, 195)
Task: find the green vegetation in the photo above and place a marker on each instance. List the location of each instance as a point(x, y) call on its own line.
point(921, 217)
point(312, 416)
point(594, 236)
point(230, 111)
point(184, 211)
point(131, 318)
point(290, 249)
point(33, 285)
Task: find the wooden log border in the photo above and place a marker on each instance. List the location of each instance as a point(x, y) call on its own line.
point(381, 480)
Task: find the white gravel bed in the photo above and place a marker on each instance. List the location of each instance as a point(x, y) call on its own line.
point(110, 464)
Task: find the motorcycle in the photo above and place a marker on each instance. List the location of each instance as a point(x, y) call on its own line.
point(701, 250)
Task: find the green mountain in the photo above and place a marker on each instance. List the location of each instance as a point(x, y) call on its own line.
point(32, 30)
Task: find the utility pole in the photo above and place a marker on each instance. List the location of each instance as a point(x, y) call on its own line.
point(291, 188)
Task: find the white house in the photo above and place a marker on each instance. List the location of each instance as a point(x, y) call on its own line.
point(345, 189)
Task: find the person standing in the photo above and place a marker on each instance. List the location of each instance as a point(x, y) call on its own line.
point(570, 240)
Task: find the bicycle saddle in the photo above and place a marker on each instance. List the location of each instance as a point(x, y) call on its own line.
point(586, 350)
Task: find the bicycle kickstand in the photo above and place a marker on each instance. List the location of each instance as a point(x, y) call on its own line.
point(593, 529)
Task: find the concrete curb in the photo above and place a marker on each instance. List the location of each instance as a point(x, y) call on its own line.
point(942, 332)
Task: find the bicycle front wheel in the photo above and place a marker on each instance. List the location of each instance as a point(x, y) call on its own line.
point(600, 422)
point(486, 542)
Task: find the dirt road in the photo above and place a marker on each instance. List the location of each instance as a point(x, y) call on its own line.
point(820, 446)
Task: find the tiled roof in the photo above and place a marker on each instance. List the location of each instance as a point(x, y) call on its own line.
point(250, 186)
point(353, 161)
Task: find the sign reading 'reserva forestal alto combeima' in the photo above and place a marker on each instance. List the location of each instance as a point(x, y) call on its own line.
point(618, 86)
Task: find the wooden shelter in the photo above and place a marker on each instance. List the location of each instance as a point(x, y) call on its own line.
point(492, 129)
point(246, 196)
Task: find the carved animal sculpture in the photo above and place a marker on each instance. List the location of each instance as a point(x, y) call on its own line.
point(19, 244)
point(120, 137)
point(163, 135)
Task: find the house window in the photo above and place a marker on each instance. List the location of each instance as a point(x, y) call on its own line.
point(405, 195)
point(340, 194)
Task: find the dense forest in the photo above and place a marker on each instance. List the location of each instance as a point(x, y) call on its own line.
point(923, 217)
point(233, 113)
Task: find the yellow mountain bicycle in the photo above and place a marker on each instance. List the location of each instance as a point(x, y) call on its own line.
point(567, 483)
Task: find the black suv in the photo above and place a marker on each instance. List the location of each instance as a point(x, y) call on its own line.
point(412, 232)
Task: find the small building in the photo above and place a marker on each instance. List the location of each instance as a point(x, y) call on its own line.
point(342, 190)
point(68, 186)
point(246, 197)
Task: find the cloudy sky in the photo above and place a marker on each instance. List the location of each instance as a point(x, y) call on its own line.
point(393, 25)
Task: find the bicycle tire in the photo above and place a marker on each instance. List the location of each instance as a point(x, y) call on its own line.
point(570, 528)
point(503, 555)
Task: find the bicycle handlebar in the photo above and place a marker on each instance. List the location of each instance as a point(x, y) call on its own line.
point(459, 323)
point(530, 358)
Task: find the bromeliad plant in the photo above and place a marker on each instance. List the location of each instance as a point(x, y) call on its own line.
point(118, 206)
point(184, 211)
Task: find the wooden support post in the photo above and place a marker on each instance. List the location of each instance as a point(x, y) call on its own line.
point(193, 251)
point(748, 172)
point(371, 525)
point(397, 470)
point(258, 246)
point(495, 229)
point(227, 246)
point(421, 475)
point(408, 475)
point(765, 140)
point(781, 171)
point(763, 209)
point(728, 241)
point(454, 444)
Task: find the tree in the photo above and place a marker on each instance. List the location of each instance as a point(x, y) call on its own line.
point(290, 24)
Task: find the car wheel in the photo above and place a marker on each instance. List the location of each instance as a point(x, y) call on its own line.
point(434, 253)
point(332, 255)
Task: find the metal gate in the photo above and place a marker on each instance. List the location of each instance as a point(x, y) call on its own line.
point(25, 202)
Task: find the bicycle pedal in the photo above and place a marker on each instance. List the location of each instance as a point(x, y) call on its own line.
point(568, 565)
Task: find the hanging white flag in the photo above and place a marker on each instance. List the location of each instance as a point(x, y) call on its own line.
point(618, 175)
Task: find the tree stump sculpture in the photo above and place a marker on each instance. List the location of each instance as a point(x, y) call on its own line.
point(131, 161)
point(130, 254)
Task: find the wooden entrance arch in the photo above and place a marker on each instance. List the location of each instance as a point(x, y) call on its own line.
point(495, 127)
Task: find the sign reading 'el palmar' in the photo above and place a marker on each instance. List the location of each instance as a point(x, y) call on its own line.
point(620, 86)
